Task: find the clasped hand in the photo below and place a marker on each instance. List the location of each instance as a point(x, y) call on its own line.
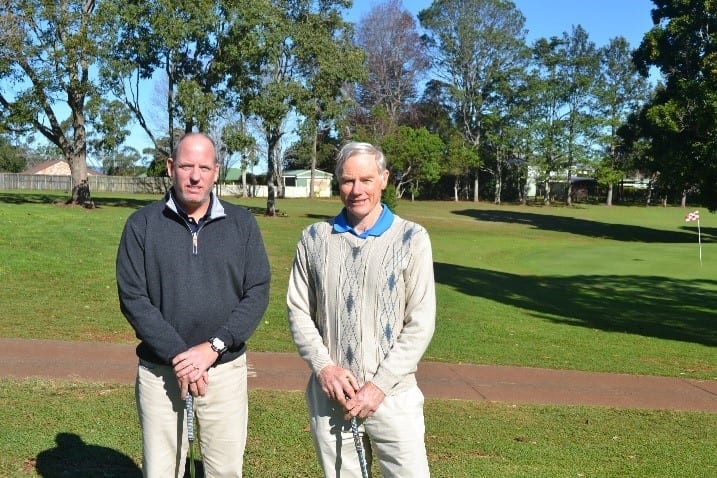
point(191, 369)
point(340, 384)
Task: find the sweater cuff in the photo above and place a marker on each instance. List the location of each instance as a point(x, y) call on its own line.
point(319, 362)
point(385, 381)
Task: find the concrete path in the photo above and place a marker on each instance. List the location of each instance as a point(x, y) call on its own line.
point(104, 362)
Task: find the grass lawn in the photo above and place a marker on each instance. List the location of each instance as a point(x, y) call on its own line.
point(55, 429)
point(593, 288)
point(616, 289)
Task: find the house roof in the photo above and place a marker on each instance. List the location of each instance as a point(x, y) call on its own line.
point(306, 173)
point(56, 167)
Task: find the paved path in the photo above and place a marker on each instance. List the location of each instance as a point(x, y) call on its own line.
point(285, 371)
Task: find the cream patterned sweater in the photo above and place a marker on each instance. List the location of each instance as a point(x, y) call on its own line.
point(367, 305)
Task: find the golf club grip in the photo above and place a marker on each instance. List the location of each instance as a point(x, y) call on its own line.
point(189, 406)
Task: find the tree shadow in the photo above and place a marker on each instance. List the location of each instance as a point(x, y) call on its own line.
point(650, 306)
point(72, 457)
point(32, 198)
point(61, 198)
point(584, 227)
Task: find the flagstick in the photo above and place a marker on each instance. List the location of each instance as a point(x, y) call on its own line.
point(699, 240)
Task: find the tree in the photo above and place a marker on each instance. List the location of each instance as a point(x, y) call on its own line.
point(47, 50)
point(238, 141)
point(460, 159)
point(547, 93)
point(181, 39)
point(124, 162)
point(680, 121)
point(328, 62)
point(266, 53)
point(414, 157)
point(580, 69)
point(396, 59)
point(621, 91)
point(473, 43)
point(11, 159)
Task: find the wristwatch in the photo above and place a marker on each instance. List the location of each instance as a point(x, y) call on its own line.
point(218, 345)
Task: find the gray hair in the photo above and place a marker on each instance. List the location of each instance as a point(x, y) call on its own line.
point(352, 149)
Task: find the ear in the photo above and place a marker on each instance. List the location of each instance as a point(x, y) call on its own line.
point(384, 179)
point(170, 163)
point(216, 172)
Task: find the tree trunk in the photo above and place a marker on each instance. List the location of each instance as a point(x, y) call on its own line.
point(272, 176)
point(609, 195)
point(456, 187)
point(243, 183)
point(476, 196)
point(313, 164)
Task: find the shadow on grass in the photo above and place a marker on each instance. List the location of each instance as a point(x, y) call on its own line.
point(648, 306)
point(61, 198)
point(572, 225)
point(72, 457)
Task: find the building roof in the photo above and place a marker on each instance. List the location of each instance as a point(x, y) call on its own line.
point(56, 167)
point(306, 173)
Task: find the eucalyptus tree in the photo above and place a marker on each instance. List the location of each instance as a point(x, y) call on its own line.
point(329, 64)
point(396, 61)
point(680, 121)
point(47, 51)
point(238, 140)
point(473, 44)
point(621, 92)
point(182, 40)
point(581, 71)
point(266, 55)
point(564, 118)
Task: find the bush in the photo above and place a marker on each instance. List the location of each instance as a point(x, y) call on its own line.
point(388, 197)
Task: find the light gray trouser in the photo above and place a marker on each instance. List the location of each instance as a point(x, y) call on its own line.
point(221, 417)
point(395, 433)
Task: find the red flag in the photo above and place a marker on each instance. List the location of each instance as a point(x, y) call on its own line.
point(693, 216)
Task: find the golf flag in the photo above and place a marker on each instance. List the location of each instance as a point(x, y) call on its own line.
point(693, 216)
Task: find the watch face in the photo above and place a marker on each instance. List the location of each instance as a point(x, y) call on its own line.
point(218, 343)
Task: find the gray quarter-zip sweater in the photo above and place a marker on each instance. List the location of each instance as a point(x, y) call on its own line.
point(178, 288)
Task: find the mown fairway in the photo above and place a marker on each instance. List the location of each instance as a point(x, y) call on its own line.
point(615, 289)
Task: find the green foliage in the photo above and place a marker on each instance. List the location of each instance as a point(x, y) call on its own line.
point(11, 159)
point(388, 197)
point(414, 157)
point(680, 120)
point(48, 52)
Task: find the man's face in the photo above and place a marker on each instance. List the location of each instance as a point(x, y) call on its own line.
point(360, 187)
point(193, 172)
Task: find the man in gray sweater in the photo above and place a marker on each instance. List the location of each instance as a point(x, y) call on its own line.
point(361, 307)
point(193, 281)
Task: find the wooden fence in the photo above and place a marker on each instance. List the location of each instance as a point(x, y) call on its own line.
point(119, 184)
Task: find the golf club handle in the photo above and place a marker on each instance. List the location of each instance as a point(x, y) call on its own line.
point(189, 407)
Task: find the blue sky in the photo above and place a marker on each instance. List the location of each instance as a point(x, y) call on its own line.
point(602, 19)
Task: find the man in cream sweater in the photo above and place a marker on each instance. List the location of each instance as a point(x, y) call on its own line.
point(361, 307)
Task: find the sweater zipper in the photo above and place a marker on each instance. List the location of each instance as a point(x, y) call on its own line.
point(195, 236)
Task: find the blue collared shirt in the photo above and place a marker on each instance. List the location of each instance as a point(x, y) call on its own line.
point(341, 224)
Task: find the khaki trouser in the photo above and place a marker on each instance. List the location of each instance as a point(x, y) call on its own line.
point(221, 420)
point(395, 434)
